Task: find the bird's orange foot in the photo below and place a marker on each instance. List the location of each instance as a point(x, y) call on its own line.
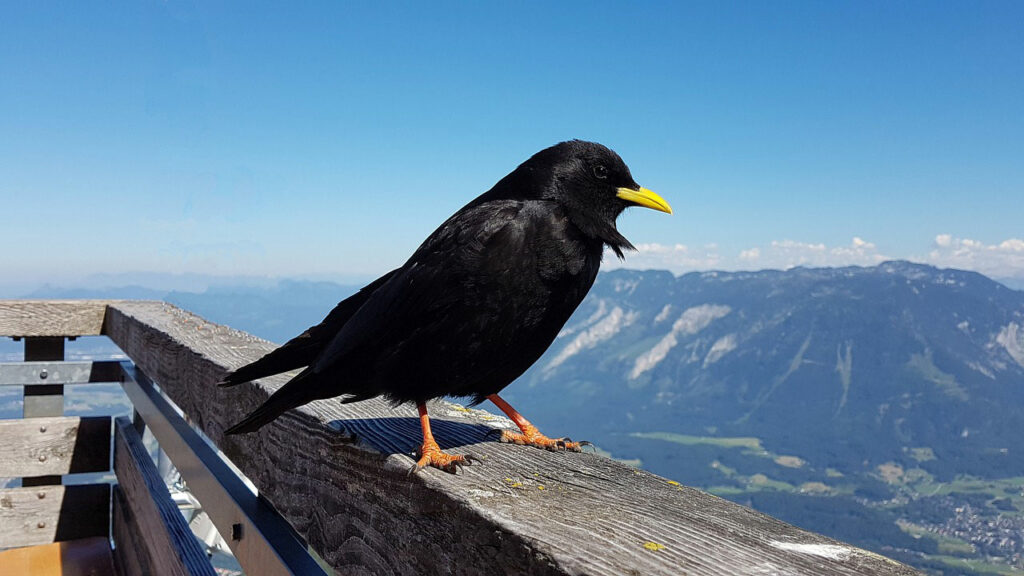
point(532, 437)
point(430, 454)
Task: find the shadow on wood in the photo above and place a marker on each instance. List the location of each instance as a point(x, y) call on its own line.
point(405, 435)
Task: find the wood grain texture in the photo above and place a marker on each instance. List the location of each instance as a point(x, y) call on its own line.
point(130, 555)
point(51, 317)
point(54, 445)
point(339, 474)
point(148, 526)
point(44, 514)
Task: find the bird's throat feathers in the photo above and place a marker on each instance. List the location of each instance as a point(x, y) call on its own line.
point(618, 244)
point(600, 229)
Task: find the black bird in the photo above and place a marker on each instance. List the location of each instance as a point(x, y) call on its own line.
point(477, 303)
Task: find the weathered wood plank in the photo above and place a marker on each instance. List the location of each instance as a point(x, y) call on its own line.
point(338, 473)
point(47, 373)
point(149, 530)
point(124, 531)
point(51, 317)
point(44, 514)
point(54, 446)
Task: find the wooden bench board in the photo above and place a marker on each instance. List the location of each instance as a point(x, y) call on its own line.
point(83, 557)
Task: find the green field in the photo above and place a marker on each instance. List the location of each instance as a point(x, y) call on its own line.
point(896, 508)
point(753, 444)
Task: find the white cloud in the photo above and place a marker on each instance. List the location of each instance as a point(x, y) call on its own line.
point(656, 248)
point(797, 246)
point(1002, 260)
point(677, 258)
point(783, 254)
point(859, 249)
point(789, 253)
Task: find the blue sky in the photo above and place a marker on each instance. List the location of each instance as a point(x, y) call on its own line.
point(326, 140)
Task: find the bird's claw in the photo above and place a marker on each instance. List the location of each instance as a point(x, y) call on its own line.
point(532, 437)
point(565, 443)
point(430, 454)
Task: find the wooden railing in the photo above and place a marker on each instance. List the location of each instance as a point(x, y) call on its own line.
point(339, 476)
point(136, 512)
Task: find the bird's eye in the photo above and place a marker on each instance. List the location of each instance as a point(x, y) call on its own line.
point(600, 172)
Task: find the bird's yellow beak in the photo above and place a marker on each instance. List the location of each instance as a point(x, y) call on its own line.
point(644, 197)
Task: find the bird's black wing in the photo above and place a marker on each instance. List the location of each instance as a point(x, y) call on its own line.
point(476, 304)
point(304, 348)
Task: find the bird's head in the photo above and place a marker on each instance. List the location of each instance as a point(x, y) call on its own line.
point(593, 185)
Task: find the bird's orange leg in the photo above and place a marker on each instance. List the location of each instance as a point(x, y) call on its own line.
point(531, 436)
point(430, 453)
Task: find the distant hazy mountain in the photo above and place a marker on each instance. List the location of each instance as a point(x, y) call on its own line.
point(275, 310)
point(126, 291)
point(277, 313)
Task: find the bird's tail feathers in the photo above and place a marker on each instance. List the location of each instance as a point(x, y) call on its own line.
point(232, 379)
point(287, 397)
point(294, 354)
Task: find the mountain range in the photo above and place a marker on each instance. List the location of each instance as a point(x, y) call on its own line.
point(847, 367)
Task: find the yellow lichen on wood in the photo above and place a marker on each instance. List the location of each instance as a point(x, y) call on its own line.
point(653, 546)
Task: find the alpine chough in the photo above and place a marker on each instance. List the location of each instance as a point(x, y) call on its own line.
point(477, 303)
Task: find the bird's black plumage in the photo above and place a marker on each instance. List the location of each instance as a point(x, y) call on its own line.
point(477, 303)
